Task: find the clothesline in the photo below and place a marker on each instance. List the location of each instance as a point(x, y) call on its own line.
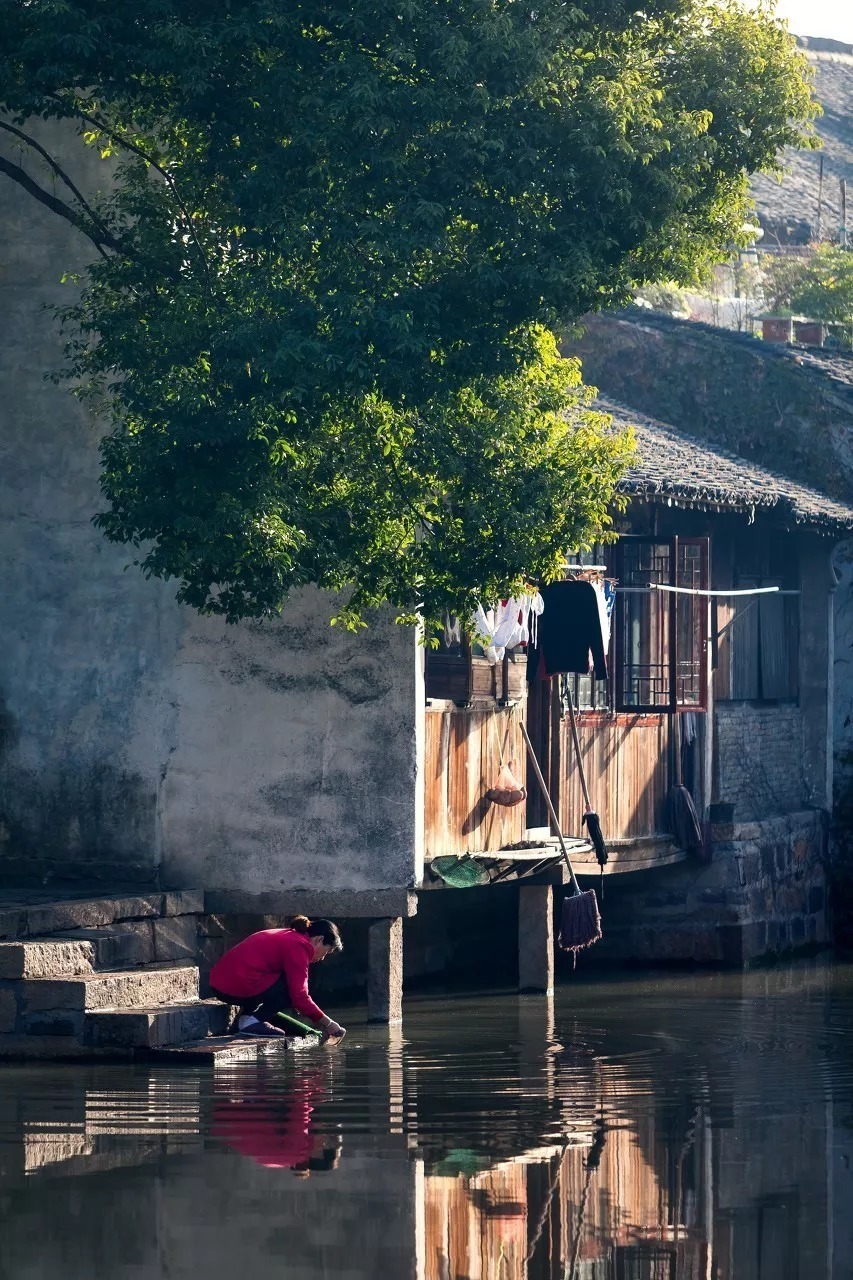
point(696, 591)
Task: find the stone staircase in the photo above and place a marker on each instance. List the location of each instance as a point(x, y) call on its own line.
point(110, 976)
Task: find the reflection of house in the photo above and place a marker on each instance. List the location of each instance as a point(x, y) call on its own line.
point(675, 1132)
point(287, 766)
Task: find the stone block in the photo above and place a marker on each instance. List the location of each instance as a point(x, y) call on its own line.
point(535, 938)
point(138, 907)
point(176, 938)
point(125, 945)
point(22, 1048)
point(91, 913)
point(59, 917)
point(802, 850)
point(8, 1011)
point(140, 988)
point(52, 1022)
point(212, 927)
point(345, 904)
point(183, 902)
point(154, 1028)
point(12, 923)
point(45, 959)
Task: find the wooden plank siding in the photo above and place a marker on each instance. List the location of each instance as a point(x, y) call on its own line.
point(625, 756)
point(461, 762)
point(626, 764)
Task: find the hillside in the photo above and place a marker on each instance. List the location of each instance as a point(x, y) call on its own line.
point(788, 210)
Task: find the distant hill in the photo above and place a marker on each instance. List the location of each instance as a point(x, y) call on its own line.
point(788, 211)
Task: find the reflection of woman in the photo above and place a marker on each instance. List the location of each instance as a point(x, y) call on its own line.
point(276, 1131)
point(268, 971)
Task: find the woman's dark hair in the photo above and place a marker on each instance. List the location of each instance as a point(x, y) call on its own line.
point(325, 930)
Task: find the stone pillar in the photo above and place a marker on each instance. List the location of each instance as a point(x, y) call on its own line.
point(535, 937)
point(385, 971)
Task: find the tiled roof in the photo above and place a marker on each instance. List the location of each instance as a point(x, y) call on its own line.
point(690, 472)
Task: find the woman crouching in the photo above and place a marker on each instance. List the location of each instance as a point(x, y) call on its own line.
point(268, 972)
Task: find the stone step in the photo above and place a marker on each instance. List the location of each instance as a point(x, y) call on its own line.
point(35, 920)
point(48, 1004)
point(43, 958)
point(117, 946)
point(158, 1027)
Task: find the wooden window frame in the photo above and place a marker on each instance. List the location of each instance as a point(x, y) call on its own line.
point(669, 612)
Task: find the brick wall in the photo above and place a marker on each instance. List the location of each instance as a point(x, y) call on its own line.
point(758, 759)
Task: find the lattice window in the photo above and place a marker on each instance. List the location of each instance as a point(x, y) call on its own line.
point(659, 637)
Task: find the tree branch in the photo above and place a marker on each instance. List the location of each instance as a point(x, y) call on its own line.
point(60, 173)
point(133, 147)
point(98, 238)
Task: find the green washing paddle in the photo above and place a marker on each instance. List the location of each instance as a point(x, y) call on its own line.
point(303, 1026)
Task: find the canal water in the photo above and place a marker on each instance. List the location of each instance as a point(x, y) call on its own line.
point(641, 1128)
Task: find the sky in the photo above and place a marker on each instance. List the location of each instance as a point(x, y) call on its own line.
point(832, 18)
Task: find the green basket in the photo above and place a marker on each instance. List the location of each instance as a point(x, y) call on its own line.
point(460, 873)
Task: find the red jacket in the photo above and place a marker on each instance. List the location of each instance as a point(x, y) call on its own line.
point(258, 961)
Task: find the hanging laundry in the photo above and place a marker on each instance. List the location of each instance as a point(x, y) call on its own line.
point(511, 622)
point(452, 630)
point(570, 629)
point(606, 601)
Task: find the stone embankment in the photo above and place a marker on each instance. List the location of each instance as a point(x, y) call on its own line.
point(106, 976)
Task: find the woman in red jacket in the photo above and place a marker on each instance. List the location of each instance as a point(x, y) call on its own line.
point(268, 971)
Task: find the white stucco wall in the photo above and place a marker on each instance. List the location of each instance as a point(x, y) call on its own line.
point(137, 739)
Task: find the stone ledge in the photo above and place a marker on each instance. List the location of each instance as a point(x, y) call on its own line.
point(55, 1049)
point(157, 1027)
point(376, 904)
point(61, 916)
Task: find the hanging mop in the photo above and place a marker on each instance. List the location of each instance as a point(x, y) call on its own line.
point(590, 817)
point(580, 920)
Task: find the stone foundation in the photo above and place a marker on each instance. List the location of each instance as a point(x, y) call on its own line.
point(762, 895)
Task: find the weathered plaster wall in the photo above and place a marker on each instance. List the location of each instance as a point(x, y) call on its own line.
point(137, 740)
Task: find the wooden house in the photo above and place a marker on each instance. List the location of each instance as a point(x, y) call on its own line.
point(720, 673)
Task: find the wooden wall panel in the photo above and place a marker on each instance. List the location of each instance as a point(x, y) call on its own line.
point(625, 760)
point(461, 762)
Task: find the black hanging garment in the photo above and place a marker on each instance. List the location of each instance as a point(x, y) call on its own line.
point(569, 631)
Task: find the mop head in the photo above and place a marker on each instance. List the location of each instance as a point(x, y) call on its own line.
point(580, 921)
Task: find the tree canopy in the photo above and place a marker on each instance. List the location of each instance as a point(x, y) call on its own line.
point(336, 242)
point(818, 285)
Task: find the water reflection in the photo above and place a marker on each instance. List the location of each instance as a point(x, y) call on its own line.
point(675, 1129)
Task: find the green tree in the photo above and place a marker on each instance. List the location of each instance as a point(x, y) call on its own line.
point(338, 237)
point(782, 275)
point(824, 290)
